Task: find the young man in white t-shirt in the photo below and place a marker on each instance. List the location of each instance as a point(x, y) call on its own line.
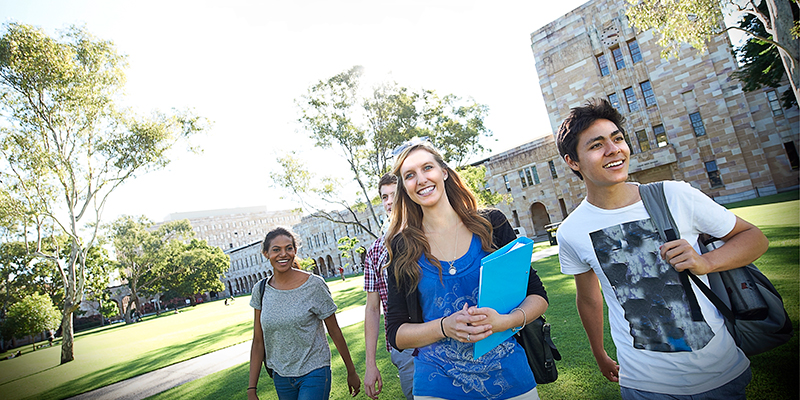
point(609, 242)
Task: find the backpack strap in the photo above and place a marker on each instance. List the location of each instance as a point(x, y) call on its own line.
point(262, 284)
point(655, 203)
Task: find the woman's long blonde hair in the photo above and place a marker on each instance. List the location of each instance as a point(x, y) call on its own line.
point(406, 221)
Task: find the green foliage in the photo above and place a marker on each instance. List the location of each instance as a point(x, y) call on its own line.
point(33, 315)
point(696, 21)
point(146, 257)
point(200, 267)
point(475, 178)
point(760, 62)
point(306, 264)
point(677, 22)
point(65, 146)
point(364, 129)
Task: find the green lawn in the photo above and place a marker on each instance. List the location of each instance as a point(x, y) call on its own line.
point(774, 373)
point(107, 355)
point(117, 352)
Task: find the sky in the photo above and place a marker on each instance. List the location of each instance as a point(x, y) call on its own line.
point(242, 64)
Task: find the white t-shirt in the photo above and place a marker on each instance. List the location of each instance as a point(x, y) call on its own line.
point(659, 348)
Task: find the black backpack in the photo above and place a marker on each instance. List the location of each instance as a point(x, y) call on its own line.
point(760, 322)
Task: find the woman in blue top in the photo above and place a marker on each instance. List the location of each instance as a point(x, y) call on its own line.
point(436, 241)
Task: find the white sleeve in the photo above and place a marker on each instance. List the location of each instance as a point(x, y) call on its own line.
point(571, 263)
point(703, 213)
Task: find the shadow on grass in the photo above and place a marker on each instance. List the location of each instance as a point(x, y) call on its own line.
point(351, 297)
point(776, 198)
point(146, 363)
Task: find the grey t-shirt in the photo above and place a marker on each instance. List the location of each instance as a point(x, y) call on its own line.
point(294, 336)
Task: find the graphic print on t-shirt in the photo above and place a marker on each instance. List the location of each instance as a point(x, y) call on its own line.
point(648, 289)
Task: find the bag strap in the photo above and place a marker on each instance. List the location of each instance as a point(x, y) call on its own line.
point(263, 285)
point(655, 203)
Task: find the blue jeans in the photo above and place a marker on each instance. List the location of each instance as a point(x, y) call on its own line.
point(314, 385)
point(733, 390)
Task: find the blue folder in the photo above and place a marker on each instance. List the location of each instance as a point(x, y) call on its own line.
point(503, 285)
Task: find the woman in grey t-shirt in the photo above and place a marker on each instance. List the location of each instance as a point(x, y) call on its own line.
point(288, 331)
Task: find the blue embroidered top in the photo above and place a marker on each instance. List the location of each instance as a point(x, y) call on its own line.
point(445, 368)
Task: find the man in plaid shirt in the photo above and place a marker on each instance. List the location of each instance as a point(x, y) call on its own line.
point(375, 286)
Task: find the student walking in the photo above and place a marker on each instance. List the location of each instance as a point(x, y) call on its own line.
point(375, 286)
point(610, 242)
point(288, 330)
point(437, 238)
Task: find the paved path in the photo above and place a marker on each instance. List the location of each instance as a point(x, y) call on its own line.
point(157, 381)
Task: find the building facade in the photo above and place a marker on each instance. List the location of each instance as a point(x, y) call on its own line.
point(235, 227)
point(318, 241)
point(686, 118)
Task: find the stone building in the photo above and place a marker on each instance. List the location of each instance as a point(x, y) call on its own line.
point(235, 227)
point(318, 240)
point(248, 266)
point(686, 118)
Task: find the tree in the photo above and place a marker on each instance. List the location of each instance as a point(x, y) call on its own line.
point(143, 254)
point(475, 178)
point(695, 21)
point(65, 145)
point(346, 245)
point(33, 315)
point(365, 130)
point(199, 266)
point(760, 62)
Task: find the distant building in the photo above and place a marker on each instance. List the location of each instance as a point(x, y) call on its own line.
point(686, 119)
point(234, 227)
point(320, 240)
point(248, 266)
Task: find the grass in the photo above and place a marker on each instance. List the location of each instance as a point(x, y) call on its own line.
point(117, 352)
point(230, 383)
point(774, 372)
point(140, 348)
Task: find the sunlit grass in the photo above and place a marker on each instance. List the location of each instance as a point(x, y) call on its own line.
point(113, 353)
point(110, 354)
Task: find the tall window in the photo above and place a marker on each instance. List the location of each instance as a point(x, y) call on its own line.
point(791, 153)
point(774, 103)
point(647, 92)
point(508, 184)
point(661, 135)
point(529, 176)
point(618, 60)
point(535, 174)
point(636, 54)
point(630, 98)
point(552, 169)
point(603, 64)
point(713, 174)
point(614, 100)
point(644, 142)
point(697, 124)
point(627, 141)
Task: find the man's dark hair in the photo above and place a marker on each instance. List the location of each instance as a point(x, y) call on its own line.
point(578, 120)
point(386, 179)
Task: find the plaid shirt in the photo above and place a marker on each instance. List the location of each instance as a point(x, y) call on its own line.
point(375, 275)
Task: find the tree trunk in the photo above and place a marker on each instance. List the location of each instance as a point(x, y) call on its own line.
point(782, 21)
point(67, 334)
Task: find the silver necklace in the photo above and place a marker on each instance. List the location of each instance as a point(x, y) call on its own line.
point(452, 270)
